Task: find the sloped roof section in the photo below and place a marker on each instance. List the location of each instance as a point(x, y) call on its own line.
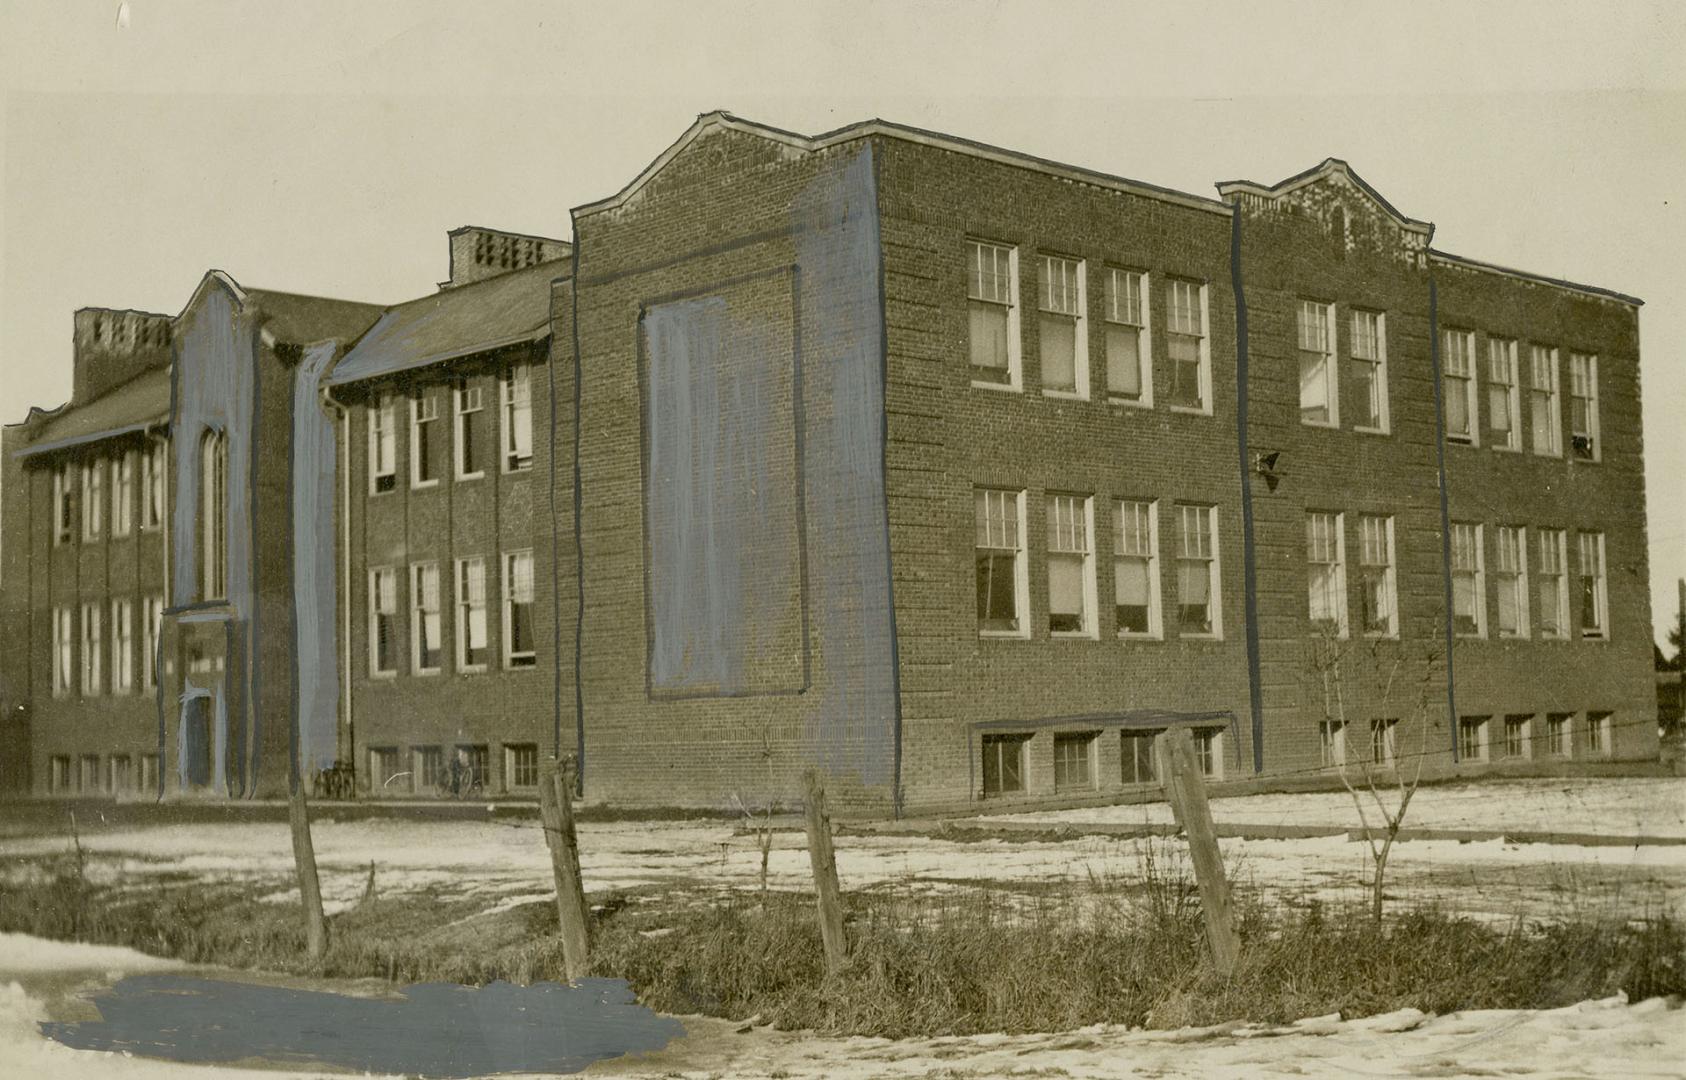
point(305, 320)
point(134, 406)
point(505, 310)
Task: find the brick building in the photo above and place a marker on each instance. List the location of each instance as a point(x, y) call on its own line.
point(828, 451)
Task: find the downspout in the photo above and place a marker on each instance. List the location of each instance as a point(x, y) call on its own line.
point(344, 464)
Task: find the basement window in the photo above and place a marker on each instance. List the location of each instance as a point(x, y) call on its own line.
point(1138, 762)
point(1074, 762)
point(1558, 735)
point(1519, 736)
point(1597, 734)
point(1003, 764)
point(1472, 738)
point(520, 765)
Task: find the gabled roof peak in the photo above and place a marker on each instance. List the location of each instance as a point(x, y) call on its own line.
point(1330, 168)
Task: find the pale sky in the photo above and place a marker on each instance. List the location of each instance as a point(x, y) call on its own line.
point(326, 148)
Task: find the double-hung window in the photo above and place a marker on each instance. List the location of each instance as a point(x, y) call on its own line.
point(1595, 600)
point(1510, 572)
point(152, 486)
point(1472, 738)
point(1331, 738)
point(1583, 406)
point(1138, 763)
point(152, 621)
point(520, 765)
point(426, 646)
point(1559, 735)
point(427, 444)
point(1458, 385)
point(1519, 736)
point(1384, 741)
point(1129, 361)
point(1197, 571)
point(469, 414)
point(1062, 328)
point(1071, 566)
point(1001, 575)
point(1003, 764)
point(1074, 761)
point(213, 515)
point(383, 621)
point(518, 650)
point(64, 650)
point(93, 498)
point(992, 302)
point(123, 493)
point(1544, 413)
point(93, 650)
point(1597, 734)
point(1553, 591)
point(1186, 344)
point(1319, 401)
point(1135, 567)
point(518, 419)
point(64, 502)
point(471, 614)
point(383, 446)
point(122, 646)
point(1369, 370)
point(1504, 395)
point(1469, 581)
point(1379, 587)
point(1325, 544)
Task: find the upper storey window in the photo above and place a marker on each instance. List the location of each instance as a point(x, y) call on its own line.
point(1319, 401)
point(1001, 576)
point(992, 300)
point(93, 498)
point(427, 443)
point(383, 446)
point(1458, 389)
point(213, 516)
point(1546, 414)
point(1369, 369)
point(470, 423)
point(1504, 396)
point(152, 486)
point(64, 513)
point(1185, 341)
point(1129, 366)
point(1062, 328)
point(1583, 406)
point(517, 419)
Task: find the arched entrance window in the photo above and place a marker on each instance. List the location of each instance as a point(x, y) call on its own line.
point(213, 516)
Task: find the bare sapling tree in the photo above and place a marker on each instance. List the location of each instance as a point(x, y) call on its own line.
point(760, 817)
point(1379, 681)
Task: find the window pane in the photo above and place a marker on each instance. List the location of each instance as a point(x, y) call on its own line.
point(1185, 370)
point(989, 338)
point(1059, 352)
point(1123, 361)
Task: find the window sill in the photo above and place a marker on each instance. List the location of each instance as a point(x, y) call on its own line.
point(1553, 454)
point(422, 485)
point(1003, 635)
point(424, 672)
point(1064, 395)
point(1505, 449)
point(1470, 637)
point(1327, 425)
point(1371, 430)
point(1130, 403)
point(383, 675)
point(1005, 388)
point(471, 476)
point(471, 669)
point(1190, 410)
point(1150, 636)
point(1200, 637)
point(1072, 635)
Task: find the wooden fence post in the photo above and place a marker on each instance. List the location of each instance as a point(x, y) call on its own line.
point(304, 860)
point(1185, 789)
point(556, 807)
point(827, 894)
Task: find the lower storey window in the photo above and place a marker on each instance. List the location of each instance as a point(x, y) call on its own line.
point(118, 777)
point(521, 765)
point(429, 767)
point(1332, 740)
point(149, 772)
point(1597, 734)
point(1472, 738)
point(1208, 747)
point(58, 775)
point(1384, 741)
point(1074, 762)
point(1003, 764)
point(472, 764)
point(1558, 727)
point(1519, 736)
point(88, 773)
point(384, 767)
point(1138, 757)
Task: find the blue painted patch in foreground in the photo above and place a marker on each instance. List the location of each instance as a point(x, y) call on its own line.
point(437, 1030)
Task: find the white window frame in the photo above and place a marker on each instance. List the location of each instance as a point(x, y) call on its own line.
point(1021, 568)
point(1155, 620)
point(467, 398)
point(1554, 570)
point(975, 249)
point(527, 658)
point(152, 489)
point(1331, 743)
point(93, 499)
point(1482, 726)
point(1589, 563)
point(152, 621)
point(1474, 549)
point(1384, 741)
point(1209, 752)
point(1065, 298)
point(1596, 729)
point(420, 612)
point(464, 588)
point(1377, 362)
point(64, 650)
point(93, 650)
point(1174, 328)
point(122, 646)
point(1375, 537)
point(64, 503)
point(1326, 548)
point(511, 770)
point(1316, 328)
point(1087, 743)
point(1525, 747)
point(1134, 313)
point(383, 601)
point(122, 493)
point(1214, 574)
point(421, 404)
point(1465, 370)
point(383, 445)
point(1589, 361)
point(1544, 378)
point(1560, 735)
point(1066, 514)
point(1501, 361)
point(1510, 570)
point(515, 429)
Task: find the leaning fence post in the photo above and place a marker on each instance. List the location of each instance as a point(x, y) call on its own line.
point(1185, 789)
point(556, 807)
point(304, 859)
point(827, 894)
